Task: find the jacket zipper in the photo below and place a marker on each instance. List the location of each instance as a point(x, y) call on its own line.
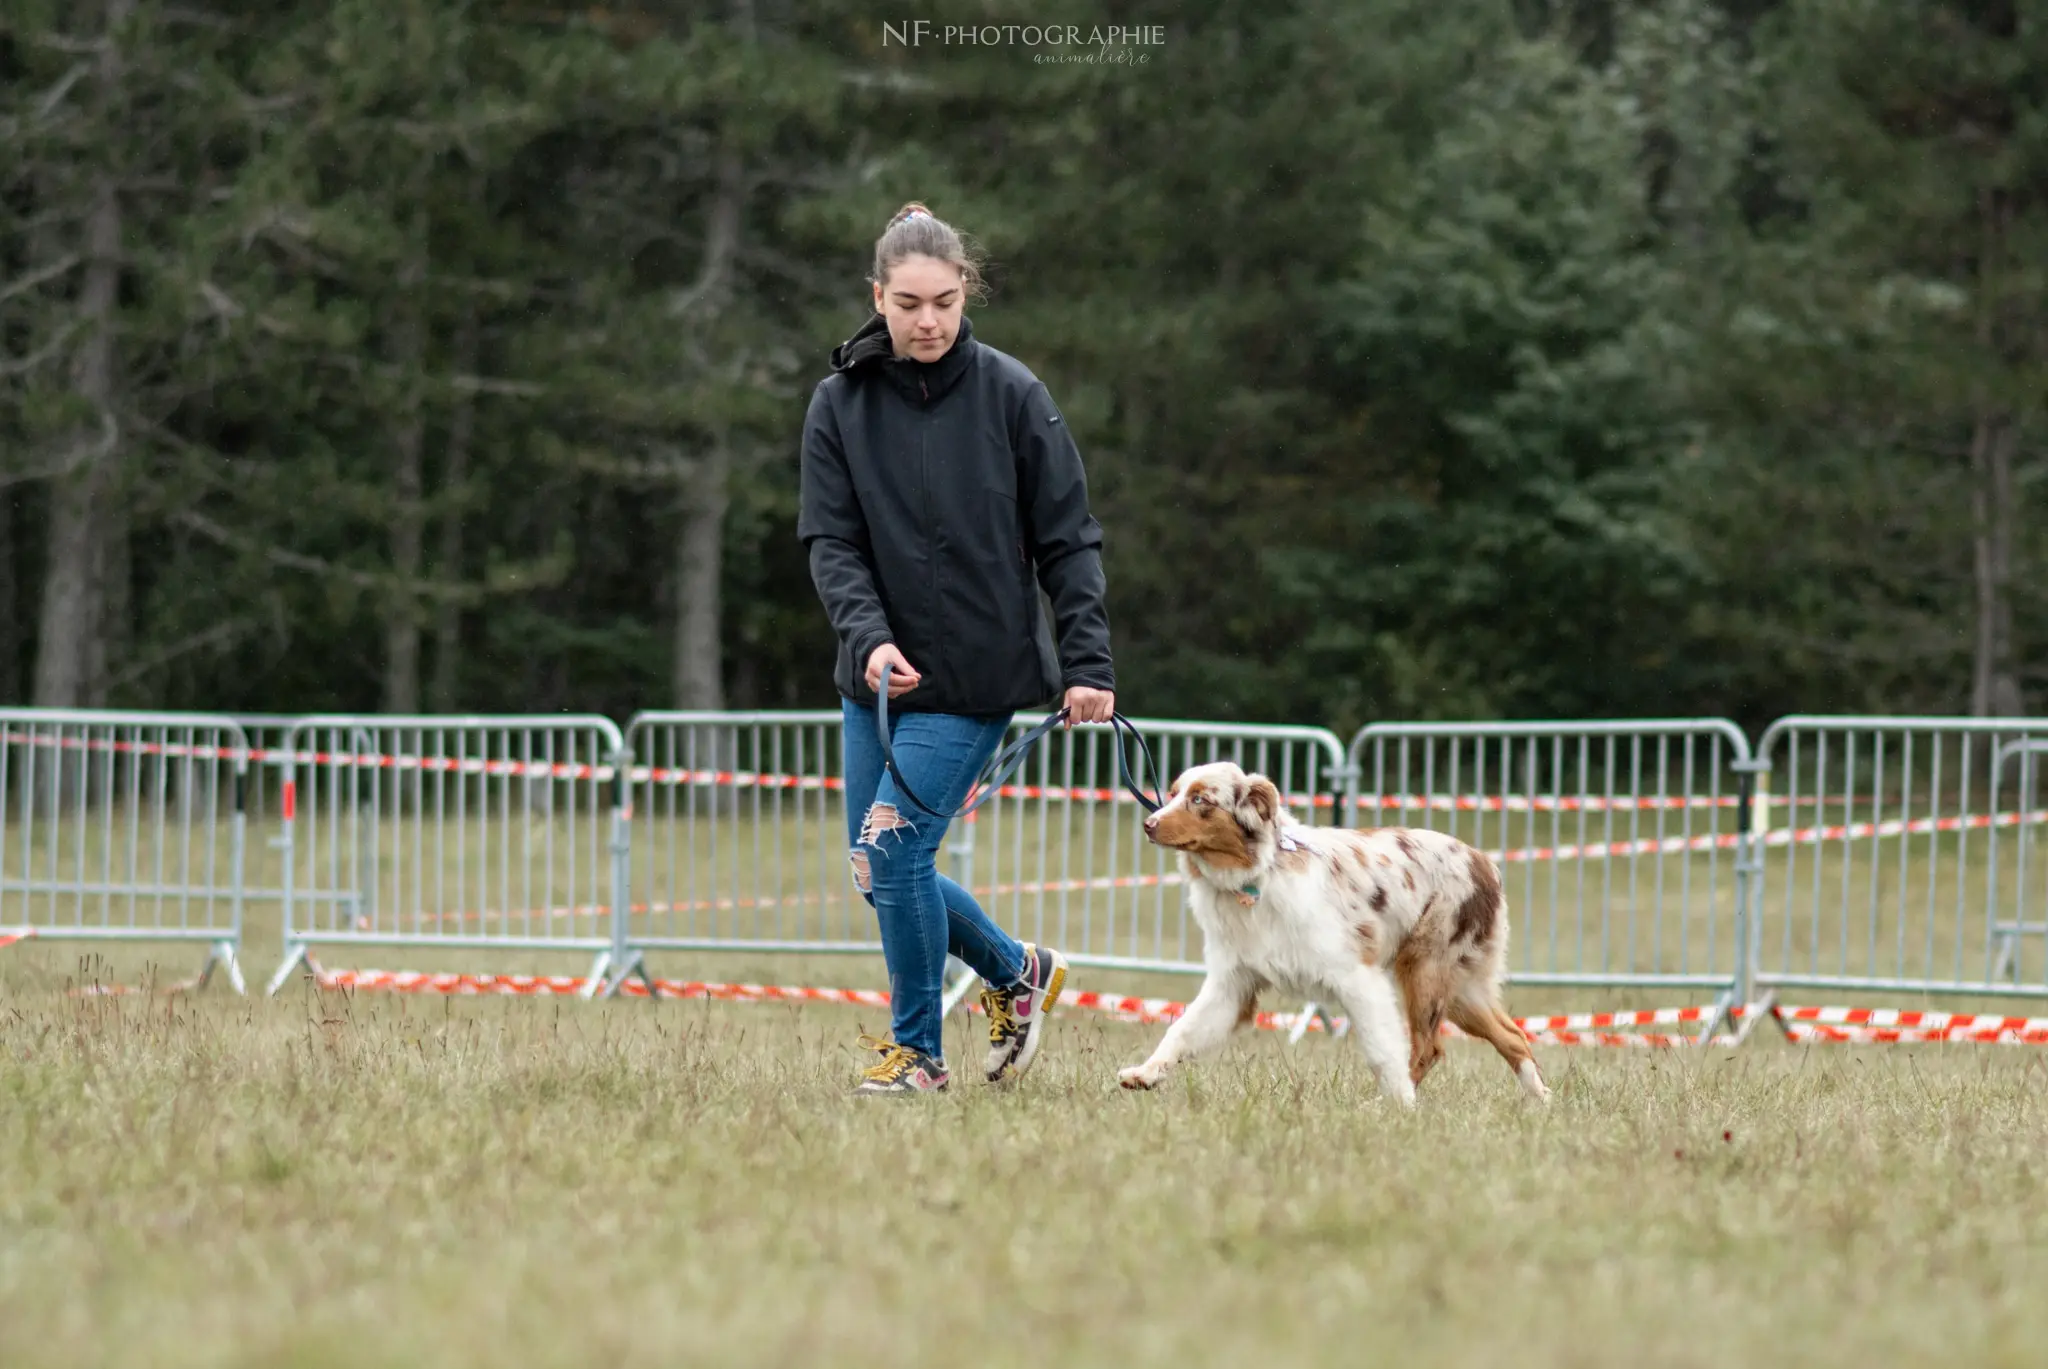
point(924, 474)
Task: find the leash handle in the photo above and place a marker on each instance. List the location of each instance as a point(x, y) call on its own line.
point(1006, 762)
point(1123, 727)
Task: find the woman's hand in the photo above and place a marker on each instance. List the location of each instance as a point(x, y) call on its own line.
point(1085, 705)
point(903, 677)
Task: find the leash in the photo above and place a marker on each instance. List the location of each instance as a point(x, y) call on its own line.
point(1005, 763)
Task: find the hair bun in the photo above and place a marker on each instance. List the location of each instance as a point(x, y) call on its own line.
point(911, 211)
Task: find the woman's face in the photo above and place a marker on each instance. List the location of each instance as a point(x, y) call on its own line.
point(922, 301)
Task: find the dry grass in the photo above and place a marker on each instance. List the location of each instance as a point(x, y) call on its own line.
point(318, 1180)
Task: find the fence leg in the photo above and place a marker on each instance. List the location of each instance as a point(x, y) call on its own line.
point(595, 980)
point(1310, 1013)
point(622, 953)
point(1723, 1008)
point(633, 966)
point(295, 954)
point(2007, 966)
point(1754, 1013)
point(1753, 779)
point(222, 953)
point(964, 980)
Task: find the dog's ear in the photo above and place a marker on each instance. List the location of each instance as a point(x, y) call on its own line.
point(1263, 799)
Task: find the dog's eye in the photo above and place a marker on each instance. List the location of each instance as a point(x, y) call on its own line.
point(1200, 800)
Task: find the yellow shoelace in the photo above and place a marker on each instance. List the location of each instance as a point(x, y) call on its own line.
point(1002, 1020)
point(895, 1062)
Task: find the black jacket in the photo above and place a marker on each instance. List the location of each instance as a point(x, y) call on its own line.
point(937, 498)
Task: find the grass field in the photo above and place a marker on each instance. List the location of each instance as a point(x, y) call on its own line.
point(330, 1181)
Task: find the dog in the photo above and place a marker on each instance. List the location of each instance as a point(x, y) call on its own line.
point(1343, 915)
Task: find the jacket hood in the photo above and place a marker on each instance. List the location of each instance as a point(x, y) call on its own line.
point(870, 347)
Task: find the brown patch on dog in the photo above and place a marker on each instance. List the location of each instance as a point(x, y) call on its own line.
point(1378, 899)
point(1349, 867)
point(1202, 827)
point(1263, 798)
point(1369, 939)
point(1293, 861)
point(1408, 878)
point(1248, 1006)
point(1407, 847)
point(1493, 1025)
point(1425, 993)
point(1479, 913)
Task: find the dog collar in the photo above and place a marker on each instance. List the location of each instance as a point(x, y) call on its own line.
point(1249, 894)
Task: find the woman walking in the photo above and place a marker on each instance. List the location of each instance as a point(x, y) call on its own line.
point(940, 490)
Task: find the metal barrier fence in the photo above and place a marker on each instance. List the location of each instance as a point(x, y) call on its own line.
point(266, 734)
point(1898, 856)
point(1893, 855)
point(123, 826)
point(1622, 844)
point(506, 833)
point(740, 837)
point(2007, 934)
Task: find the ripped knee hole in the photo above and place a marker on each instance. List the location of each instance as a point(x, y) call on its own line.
point(882, 817)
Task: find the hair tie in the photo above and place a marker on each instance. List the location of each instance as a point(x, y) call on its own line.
point(915, 214)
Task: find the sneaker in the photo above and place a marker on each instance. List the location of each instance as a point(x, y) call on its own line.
point(902, 1069)
point(1014, 1014)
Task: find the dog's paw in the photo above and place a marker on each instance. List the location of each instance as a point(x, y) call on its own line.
point(1138, 1077)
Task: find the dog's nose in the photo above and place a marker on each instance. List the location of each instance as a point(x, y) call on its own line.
point(1151, 825)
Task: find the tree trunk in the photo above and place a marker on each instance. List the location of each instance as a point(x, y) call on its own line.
point(401, 623)
point(72, 609)
point(1994, 683)
point(461, 430)
point(111, 568)
point(699, 666)
point(10, 620)
point(408, 530)
point(699, 662)
point(1994, 676)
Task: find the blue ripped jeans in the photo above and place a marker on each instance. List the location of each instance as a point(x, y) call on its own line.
point(894, 847)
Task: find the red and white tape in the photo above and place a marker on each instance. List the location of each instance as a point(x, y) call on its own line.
point(1854, 1025)
point(533, 985)
point(1784, 836)
point(1574, 1029)
point(726, 905)
point(1909, 1018)
point(1873, 1036)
